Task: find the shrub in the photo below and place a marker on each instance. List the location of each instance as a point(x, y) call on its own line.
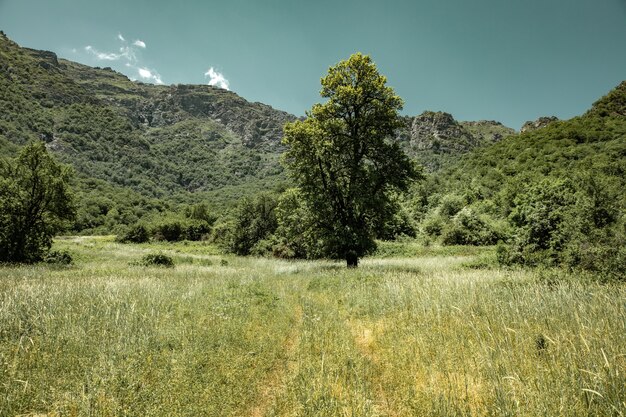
point(157, 259)
point(572, 224)
point(170, 231)
point(58, 258)
point(254, 220)
point(177, 229)
point(433, 225)
point(295, 235)
point(451, 204)
point(135, 234)
point(398, 223)
point(469, 228)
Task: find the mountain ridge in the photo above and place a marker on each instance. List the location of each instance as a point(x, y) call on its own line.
point(158, 146)
point(133, 124)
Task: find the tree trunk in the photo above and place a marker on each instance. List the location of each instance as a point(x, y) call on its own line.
point(352, 260)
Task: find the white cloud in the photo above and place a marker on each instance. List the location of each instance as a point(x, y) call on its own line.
point(146, 74)
point(102, 56)
point(217, 79)
point(128, 55)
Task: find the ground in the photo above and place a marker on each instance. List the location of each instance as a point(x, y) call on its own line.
point(414, 331)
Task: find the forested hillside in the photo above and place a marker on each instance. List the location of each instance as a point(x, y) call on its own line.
point(556, 193)
point(142, 150)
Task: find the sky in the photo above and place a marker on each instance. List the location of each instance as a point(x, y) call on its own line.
point(504, 60)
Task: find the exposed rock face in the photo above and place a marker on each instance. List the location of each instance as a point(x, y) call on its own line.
point(488, 131)
point(46, 59)
point(440, 132)
point(158, 106)
point(538, 124)
point(432, 137)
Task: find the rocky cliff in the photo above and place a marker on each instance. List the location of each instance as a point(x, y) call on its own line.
point(160, 140)
point(155, 139)
point(433, 137)
point(538, 124)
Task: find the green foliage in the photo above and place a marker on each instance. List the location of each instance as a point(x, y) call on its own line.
point(175, 228)
point(57, 257)
point(433, 224)
point(35, 204)
point(543, 217)
point(469, 228)
point(135, 234)
point(451, 204)
point(557, 192)
point(157, 259)
point(342, 159)
point(396, 223)
point(254, 220)
point(296, 235)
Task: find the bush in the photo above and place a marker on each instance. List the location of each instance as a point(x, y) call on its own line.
point(174, 230)
point(574, 225)
point(58, 258)
point(451, 204)
point(254, 221)
point(469, 228)
point(395, 225)
point(295, 236)
point(135, 234)
point(170, 231)
point(157, 259)
point(433, 225)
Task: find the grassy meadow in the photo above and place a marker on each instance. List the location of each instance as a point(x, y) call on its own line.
point(415, 330)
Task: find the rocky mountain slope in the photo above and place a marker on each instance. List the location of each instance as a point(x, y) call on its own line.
point(178, 142)
point(155, 139)
point(433, 138)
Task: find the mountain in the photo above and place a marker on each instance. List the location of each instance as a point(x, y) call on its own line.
point(587, 151)
point(433, 138)
point(538, 124)
point(141, 147)
point(158, 140)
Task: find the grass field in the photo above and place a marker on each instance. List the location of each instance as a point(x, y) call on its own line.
point(437, 334)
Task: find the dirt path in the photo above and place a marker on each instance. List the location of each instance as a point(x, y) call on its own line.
point(364, 335)
point(275, 381)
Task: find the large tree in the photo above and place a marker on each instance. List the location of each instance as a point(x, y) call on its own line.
point(35, 204)
point(344, 159)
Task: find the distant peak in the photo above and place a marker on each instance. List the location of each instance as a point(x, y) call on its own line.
point(538, 124)
point(612, 104)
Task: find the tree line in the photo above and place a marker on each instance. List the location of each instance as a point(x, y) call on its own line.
point(551, 197)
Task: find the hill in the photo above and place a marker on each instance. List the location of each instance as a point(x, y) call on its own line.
point(435, 138)
point(555, 193)
point(157, 140)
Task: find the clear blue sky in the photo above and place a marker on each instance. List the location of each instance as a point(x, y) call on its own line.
point(507, 60)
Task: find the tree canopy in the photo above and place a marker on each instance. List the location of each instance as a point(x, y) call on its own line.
point(344, 160)
point(35, 204)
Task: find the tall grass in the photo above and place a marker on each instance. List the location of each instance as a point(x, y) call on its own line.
point(216, 335)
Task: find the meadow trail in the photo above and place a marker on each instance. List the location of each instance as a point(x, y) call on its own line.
point(274, 384)
point(365, 336)
point(439, 333)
